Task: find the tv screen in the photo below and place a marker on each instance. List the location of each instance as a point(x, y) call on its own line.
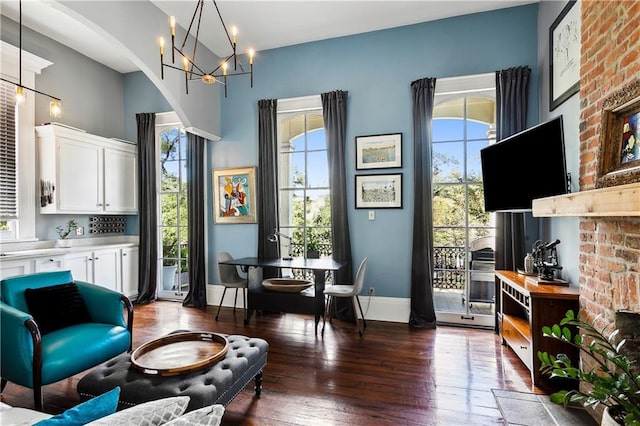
point(525, 166)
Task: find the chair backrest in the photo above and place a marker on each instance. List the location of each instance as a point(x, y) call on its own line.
point(12, 288)
point(359, 282)
point(228, 273)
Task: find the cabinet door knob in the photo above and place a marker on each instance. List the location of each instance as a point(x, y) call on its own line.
point(124, 254)
point(51, 260)
point(107, 204)
point(96, 258)
point(99, 204)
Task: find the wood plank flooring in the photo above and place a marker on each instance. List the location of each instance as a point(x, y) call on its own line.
point(393, 375)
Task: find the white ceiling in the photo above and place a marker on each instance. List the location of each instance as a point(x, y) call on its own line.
point(262, 24)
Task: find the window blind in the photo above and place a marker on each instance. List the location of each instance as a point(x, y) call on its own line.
point(8, 159)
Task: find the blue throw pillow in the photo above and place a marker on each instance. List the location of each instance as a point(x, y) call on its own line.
point(93, 409)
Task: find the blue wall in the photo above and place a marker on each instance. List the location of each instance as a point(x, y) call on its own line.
point(376, 69)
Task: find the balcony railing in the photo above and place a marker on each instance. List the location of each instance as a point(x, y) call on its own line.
point(449, 268)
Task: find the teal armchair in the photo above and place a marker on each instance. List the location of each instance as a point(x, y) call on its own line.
point(32, 359)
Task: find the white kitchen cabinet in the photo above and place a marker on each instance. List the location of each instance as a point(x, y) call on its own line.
point(120, 171)
point(130, 265)
point(81, 265)
point(86, 173)
point(101, 267)
point(106, 268)
point(49, 263)
point(11, 268)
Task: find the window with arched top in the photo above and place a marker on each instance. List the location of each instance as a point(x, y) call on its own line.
point(303, 168)
point(464, 119)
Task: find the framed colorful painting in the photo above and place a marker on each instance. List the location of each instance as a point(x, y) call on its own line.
point(619, 154)
point(234, 195)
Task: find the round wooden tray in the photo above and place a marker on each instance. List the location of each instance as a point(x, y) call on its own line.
point(179, 353)
point(287, 285)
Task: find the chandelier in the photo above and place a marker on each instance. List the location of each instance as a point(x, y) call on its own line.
point(55, 106)
point(229, 67)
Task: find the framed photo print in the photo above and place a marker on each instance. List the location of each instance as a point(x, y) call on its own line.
point(379, 151)
point(379, 191)
point(564, 55)
point(619, 155)
point(234, 195)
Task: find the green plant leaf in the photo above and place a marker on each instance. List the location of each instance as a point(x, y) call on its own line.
point(558, 397)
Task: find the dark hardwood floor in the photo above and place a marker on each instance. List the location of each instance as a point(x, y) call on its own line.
point(393, 375)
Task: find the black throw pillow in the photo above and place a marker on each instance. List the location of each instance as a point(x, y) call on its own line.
point(57, 306)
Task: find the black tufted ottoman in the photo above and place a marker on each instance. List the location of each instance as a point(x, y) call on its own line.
point(218, 384)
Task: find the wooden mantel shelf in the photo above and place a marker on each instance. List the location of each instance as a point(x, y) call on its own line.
point(621, 200)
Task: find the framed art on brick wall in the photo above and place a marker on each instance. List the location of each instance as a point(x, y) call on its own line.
point(619, 154)
point(564, 55)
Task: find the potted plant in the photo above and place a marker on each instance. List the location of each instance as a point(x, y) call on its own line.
point(63, 233)
point(614, 382)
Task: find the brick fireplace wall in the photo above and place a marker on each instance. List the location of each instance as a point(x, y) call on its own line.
point(609, 247)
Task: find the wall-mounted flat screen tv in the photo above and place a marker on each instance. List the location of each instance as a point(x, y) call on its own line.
point(525, 166)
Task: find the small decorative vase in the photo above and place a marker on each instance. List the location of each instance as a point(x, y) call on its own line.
point(607, 418)
point(64, 243)
point(528, 264)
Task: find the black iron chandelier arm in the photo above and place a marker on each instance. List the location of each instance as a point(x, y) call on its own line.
point(224, 26)
point(30, 89)
point(193, 64)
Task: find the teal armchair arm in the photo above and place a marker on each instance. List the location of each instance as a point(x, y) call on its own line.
point(20, 348)
point(106, 306)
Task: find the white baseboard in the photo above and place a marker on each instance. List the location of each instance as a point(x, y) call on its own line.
point(376, 308)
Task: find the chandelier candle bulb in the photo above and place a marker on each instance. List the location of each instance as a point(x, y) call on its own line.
point(54, 108)
point(161, 41)
point(234, 32)
point(172, 24)
point(186, 73)
point(20, 96)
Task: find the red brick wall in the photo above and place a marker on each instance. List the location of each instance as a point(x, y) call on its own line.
point(609, 247)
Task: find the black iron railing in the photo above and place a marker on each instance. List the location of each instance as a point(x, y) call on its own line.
point(449, 267)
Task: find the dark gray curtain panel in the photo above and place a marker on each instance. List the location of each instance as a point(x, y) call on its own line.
point(267, 197)
point(512, 95)
point(197, 295)
point(147, 216)
point(512, 89)
point(422, 310)
point(334, 113)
